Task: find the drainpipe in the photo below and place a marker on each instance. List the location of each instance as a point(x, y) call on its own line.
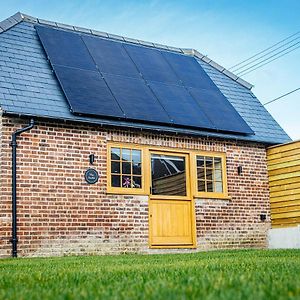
point(13, 144)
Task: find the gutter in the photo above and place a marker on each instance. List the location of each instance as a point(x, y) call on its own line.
point(14, 145)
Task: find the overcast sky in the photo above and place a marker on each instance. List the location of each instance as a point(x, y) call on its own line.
point(227, 31)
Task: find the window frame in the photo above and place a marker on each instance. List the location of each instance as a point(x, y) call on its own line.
point(191, 165)
point(122, 190)
point(208, 195)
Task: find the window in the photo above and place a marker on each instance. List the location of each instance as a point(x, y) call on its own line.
point(211, 175)
point(168, 175)
point(140, 169)
point(125, 169)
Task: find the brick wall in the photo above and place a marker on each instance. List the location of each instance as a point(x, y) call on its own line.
point(59, 213)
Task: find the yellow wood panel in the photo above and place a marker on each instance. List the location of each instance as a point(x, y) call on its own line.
point(284, 225)
point(274, 162)
point(285, 198)
point(280, 165)
point(171, 222)
point(288, 170)
point(285, 209)
point(284, 176)
point(286, 193)
point(285, 187)
point(284, 221)
point(293, 214)
point(283, 155)
point(284, 181)
point(285, 203)
point(283, 148)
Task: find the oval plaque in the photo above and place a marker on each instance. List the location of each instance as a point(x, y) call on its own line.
point(91, 176)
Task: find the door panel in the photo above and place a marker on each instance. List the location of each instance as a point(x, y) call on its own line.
point(171, 222)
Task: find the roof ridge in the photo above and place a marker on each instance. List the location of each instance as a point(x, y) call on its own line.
point(19, 17)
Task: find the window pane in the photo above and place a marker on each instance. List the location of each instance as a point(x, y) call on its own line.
point(115, 167)
point(200, 161)
point(137, 182)
point(218, 163)
point(168, 175)
point(209, 186)
point(115, 181)
point(218, 175)
point(126, 181)
point(209, 174)
point(115, 153)
point(136, 156)
point(137, 169)
point(200, 173)
point(201, 185)
point(126, 154)
point(208, 162)
point(126, 168)
point(219, 187)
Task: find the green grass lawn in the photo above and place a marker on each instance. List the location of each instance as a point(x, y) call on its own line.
point(247, 274)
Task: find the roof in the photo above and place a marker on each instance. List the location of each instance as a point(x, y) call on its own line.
point(28, 86)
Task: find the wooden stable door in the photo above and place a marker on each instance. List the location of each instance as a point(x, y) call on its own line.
point(171, 208)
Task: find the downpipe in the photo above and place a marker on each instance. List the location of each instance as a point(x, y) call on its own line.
point(14, 239)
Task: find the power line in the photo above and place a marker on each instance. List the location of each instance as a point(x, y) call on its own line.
point(266, 59)
point(293, 91)
point(266, 54)
point(264, 50)
point(244, 73)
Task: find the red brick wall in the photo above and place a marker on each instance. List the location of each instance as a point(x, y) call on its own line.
point(59, 213)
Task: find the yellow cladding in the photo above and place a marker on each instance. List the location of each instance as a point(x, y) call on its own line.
point(284, 181)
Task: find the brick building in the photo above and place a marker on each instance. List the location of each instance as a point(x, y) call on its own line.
point(117, 161)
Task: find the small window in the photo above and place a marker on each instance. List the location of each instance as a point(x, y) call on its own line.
point(125, 170)
point(211, 176)
point(168, 174)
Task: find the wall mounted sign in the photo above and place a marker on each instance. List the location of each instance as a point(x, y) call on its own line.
point(91, 176)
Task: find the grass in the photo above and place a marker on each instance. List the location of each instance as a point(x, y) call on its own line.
point(245, 274)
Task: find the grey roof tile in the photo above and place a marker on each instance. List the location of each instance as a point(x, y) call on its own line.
point(115, 37)
point(29, 87)
point(46, 22)
point(99, 33)
point(81, 29)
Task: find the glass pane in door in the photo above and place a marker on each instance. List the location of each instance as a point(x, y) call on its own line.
point(168, 175)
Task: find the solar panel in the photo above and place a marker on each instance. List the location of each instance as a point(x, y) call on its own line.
point(87, 92)
point(136, 99)
point(220, 111)
point(151, 64)
point(180, 105)
point(111, 57)
point(189, 71)
point(115, 79)
point(65, 48)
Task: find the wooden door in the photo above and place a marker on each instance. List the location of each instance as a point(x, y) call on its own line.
point(171, 208)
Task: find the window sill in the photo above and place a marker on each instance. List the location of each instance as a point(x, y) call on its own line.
point(128, 192)
point(209, 196)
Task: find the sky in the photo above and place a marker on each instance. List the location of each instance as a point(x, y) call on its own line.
point(226, 31)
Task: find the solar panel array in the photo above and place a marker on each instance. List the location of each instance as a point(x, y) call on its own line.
point(114, 79)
